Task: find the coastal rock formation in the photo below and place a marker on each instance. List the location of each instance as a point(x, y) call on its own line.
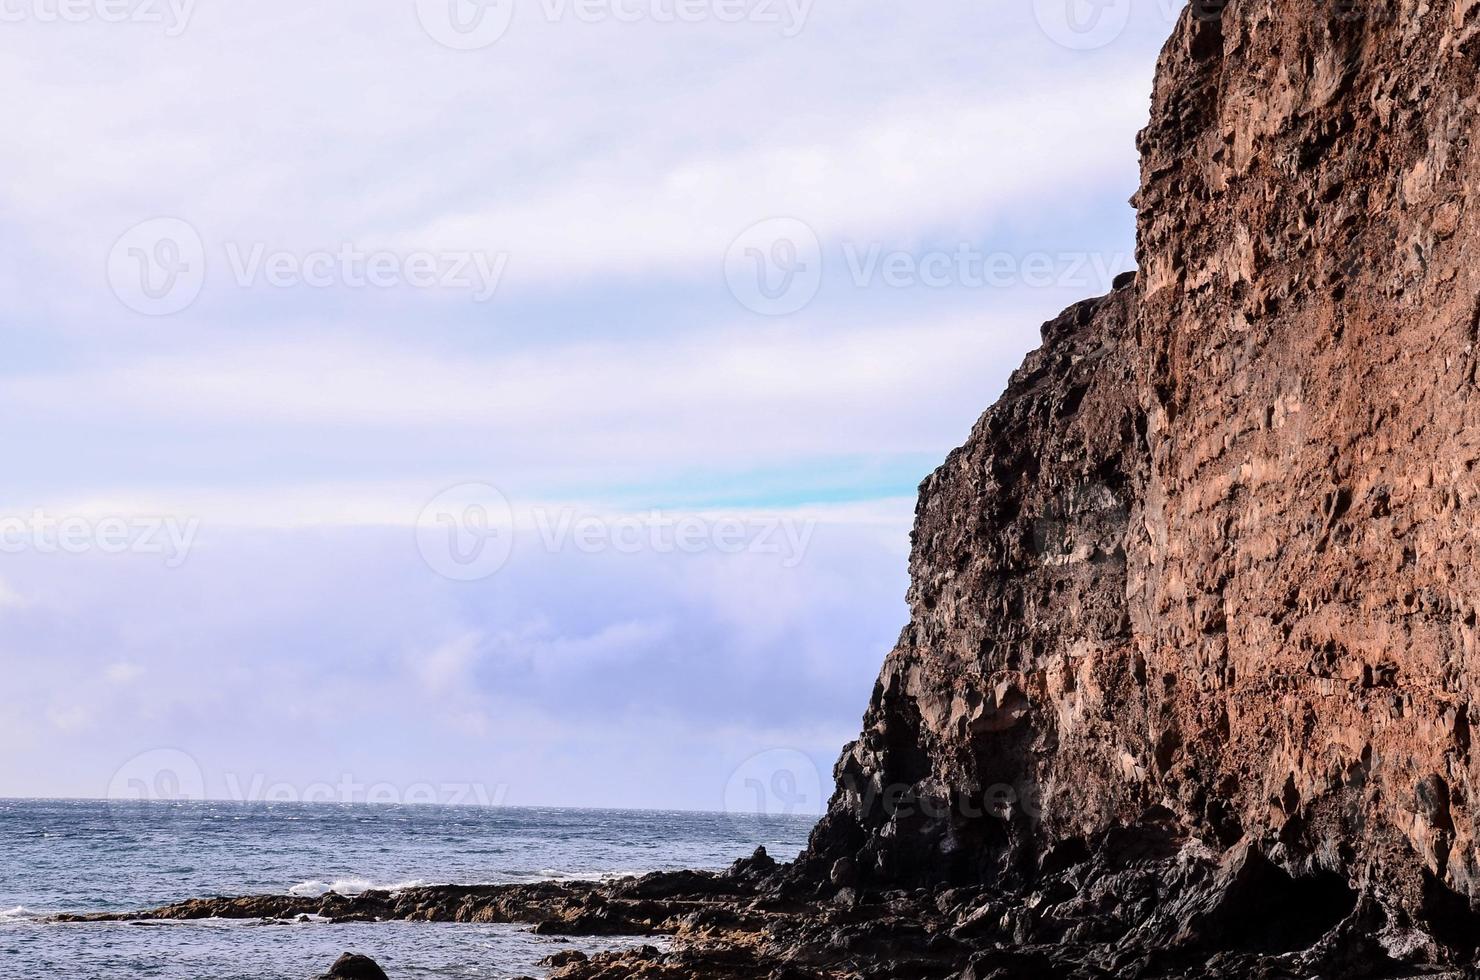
point(1202, 587)
point(354, 966)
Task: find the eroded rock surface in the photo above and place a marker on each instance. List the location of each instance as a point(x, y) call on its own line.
point(1208, 569)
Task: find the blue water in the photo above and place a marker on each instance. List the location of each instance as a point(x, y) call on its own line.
point(99, 856)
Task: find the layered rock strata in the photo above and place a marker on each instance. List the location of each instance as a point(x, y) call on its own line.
point(1209, 566)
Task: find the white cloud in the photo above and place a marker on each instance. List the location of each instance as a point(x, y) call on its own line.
point(446, 667)
point(123, 673)
point(290, 652)
point(926, 163)
point(9, 598)
point(70, 719)
point(307, 429)
point(584, 153)
point(557, 653)
point(740, 399)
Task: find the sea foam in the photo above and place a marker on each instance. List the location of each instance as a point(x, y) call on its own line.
point(347, 886)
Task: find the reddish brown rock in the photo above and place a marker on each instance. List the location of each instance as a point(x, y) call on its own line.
point(1210, 565)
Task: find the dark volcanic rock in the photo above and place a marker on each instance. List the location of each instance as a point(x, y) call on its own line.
point(757, 867)
point(353, 966)
point(565, 958)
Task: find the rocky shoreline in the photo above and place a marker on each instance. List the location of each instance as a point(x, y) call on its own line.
point(1147, 903)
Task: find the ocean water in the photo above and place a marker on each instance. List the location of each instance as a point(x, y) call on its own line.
point(68, 856)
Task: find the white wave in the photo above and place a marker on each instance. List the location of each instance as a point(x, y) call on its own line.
point(17, 914)
point(348, 887)
point(551, 874)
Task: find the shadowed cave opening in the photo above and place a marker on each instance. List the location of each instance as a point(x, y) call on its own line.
point(1273, 912)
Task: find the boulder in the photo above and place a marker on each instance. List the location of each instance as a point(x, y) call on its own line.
point(354, 966)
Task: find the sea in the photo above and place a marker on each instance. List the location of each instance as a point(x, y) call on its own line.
point(77, 856)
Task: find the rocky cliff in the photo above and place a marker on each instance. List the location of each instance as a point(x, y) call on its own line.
point(1200, 591)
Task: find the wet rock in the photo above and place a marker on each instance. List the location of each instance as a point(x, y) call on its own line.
point(353, 966)
point(565, 957)
point(844, 873)
point(756, 867)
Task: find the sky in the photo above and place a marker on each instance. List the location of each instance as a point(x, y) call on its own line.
point(516, 402)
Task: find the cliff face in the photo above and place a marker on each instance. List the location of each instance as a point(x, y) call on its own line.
point(1205, 579)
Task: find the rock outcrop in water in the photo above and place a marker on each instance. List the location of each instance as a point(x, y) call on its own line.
point(354, 966)
point(1202, 588)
